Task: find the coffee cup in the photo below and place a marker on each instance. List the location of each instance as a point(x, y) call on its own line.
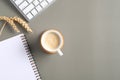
point(52, 41)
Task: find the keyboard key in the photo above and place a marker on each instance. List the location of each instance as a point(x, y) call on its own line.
point(35, 2)
point(49, 1)
point(29, 1)
point(18, 2)
point(28, 8)
point(23, 5)
point(34, 12)
point(29, 16)
point(44, 4)
point(39, 8)
point(40, 0)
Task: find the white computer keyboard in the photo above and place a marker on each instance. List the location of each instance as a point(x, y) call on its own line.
point(30, 8)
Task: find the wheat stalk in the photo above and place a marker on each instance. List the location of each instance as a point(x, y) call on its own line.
point(8, 20)
point(22, 22)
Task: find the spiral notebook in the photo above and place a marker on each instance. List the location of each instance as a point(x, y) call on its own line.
point(16, 61)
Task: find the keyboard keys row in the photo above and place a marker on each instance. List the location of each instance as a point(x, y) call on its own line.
point(34, 12)
point(25, 5)
point(44, 4)
point(31, 8)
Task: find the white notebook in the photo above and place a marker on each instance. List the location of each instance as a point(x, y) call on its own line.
point(16, 61)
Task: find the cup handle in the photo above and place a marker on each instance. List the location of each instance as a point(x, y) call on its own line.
point(60, 52)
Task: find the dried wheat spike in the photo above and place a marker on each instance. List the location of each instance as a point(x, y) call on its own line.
point(8, 20)
point(22, 22)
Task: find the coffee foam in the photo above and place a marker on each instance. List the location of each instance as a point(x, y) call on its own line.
point(52, 40)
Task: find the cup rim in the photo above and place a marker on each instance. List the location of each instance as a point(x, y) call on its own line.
point(57, 33)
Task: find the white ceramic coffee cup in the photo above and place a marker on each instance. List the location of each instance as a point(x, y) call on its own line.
point(55, 36)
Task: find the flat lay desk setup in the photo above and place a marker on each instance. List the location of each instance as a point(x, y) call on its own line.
point(91, 38)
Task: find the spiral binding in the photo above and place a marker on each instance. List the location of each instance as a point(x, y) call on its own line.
point(31, 59)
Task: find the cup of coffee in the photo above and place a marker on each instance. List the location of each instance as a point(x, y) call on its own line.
point(52, 41)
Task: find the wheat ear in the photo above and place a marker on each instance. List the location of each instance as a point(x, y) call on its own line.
point(22, 22)
point(8, 20)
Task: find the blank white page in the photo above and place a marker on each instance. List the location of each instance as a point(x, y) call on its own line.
point(14, 61)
